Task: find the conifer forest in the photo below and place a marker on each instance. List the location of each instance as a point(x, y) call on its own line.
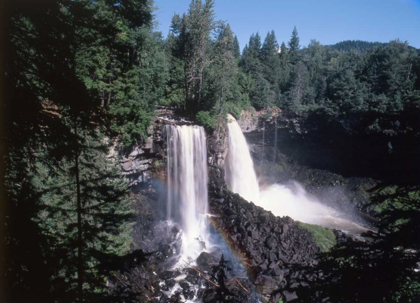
point(181, 166)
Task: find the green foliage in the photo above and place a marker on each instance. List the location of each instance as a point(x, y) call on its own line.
point(381, 270)
point(294, 46)
point(157, 164)
point(358, 45)
point(175, 54)
point(236, 48)
point(62, 190)
point(199, 22)
point(390, 200)
point(206, 119)
point(104, 215)
point(222, 93)
point(262, 63)
point(126, 69)
point(375, 78)
point(324, 237)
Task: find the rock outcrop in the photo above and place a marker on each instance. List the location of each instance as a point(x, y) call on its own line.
point(268, 245)
point(355, 145)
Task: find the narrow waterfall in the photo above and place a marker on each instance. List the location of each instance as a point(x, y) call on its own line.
point(263, 141)
point(275, 140)
point(187, 201)
point(239, 168)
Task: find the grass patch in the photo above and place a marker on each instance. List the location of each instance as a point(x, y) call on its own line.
point(324, 237)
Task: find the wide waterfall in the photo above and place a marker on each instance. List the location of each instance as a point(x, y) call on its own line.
point(187, 185)
point(239, 168)
point(281, 199)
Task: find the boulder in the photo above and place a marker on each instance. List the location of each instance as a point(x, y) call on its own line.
point(266, 284)
point(289, 296)
point(206, 261)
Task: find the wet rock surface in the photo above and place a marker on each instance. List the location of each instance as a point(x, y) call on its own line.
point(269, 246)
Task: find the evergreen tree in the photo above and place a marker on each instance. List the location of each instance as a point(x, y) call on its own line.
point(119, 68)
point(41, 79)
point(313, 57)
point(389, 71)
point(347, 92)
point(199, 22)
point(142, 87)
point(271, 64)
point(56, 114)
point(285, 68)
point(283, 50)
point(250, 62)
point(84, 210)
point(221, 90)
point(175, 54)
point(236, 48)
point(294, 47)
point(299, 87)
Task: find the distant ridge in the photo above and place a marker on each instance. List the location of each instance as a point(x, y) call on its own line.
point(359, 45)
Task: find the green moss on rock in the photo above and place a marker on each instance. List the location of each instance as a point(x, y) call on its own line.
point(324, 237)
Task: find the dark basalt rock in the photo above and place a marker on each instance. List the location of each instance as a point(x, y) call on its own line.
point(171, 283)
point(210, 297)
point(193, 279)
point(266, 284)
point(269, 245)
point(207, 260)
point(184, 285)
point(289, 296)
point(271, 242)
point(166, 275)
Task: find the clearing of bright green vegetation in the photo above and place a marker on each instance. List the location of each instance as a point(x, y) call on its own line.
point(323, 236)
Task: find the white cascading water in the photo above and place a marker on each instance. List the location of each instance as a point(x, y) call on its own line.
point(239, 168)
point(187, 186)
point(282, 200)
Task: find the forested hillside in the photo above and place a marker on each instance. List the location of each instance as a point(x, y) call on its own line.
point(83, 74)
point(355, 45)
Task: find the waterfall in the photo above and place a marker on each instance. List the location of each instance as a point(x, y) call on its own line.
point(239, 168)
point(263, 142)
point(187, 201)
point(282, 200)
point(275, 140)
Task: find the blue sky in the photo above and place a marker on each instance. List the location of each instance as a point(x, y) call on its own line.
point(328, 21)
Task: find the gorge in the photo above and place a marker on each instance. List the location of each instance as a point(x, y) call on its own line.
point(205, 219)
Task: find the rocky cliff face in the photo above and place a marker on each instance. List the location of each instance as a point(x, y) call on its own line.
point(139, 163)
point(285, 148)
point(267, 246)
point(363, 146)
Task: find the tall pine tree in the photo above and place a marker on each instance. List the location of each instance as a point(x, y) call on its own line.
point(294, 46)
